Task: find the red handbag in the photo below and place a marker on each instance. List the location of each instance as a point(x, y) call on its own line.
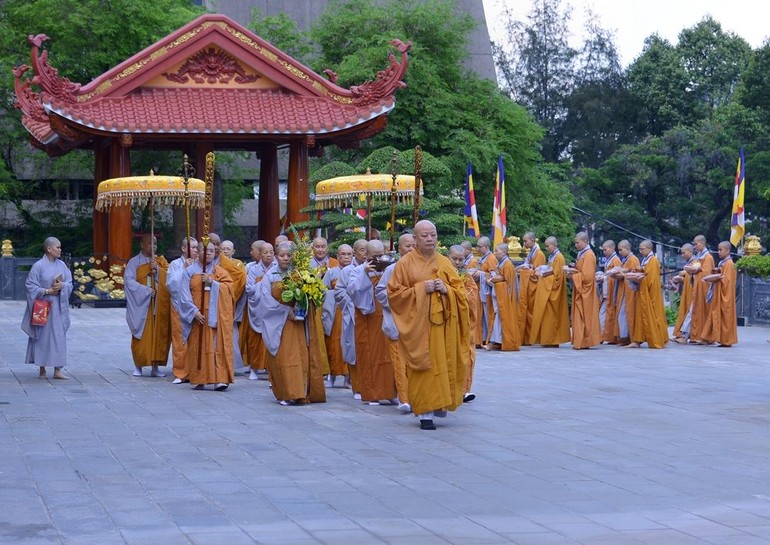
point(40, 310)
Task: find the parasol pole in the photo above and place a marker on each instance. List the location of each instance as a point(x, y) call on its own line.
point(393, 187)
point(185, 171)
point(417, 183)
point(153, 283)
point(368, 216)
point(209, 180)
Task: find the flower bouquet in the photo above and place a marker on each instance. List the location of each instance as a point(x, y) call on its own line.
point(302, 285)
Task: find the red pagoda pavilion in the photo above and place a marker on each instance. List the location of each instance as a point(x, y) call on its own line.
point(211, 85)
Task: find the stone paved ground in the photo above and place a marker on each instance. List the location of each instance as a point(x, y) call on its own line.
point(599, 447)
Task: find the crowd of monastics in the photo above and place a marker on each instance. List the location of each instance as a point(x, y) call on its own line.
point(402, 331)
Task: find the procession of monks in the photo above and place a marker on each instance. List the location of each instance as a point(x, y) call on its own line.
point(405, 331)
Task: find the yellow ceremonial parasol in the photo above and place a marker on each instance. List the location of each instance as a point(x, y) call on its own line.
point(344, 191)
point(143, 190)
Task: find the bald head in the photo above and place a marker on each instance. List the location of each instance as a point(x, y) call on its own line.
point(483, 244)
point(359, 250)
point(149, 245)
point(725, 245)
point(51, 242)
point(227, 248)
point(345, 255)
point(279, 239)
point(646, 244)
point(529, 239)
point(374, 248)
point(457, 255)
point(426, 237)
point(624, 244)
point(467, 247)
point(608, 244)
point(405, 244)
point(215, 241)
point(320, 248)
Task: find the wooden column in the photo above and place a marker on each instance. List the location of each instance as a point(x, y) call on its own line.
point(269, 204)
point(298, 193)
point(120, 229)
point(199, 161)
point(101, 219)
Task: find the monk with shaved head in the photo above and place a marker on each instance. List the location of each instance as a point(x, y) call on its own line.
point(430, 308)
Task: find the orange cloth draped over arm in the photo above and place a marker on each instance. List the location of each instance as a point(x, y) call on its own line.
point(700, 308)
point(506, 305)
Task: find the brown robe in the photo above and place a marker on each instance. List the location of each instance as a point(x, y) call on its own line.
point(650, 323)
point(586, 330)
point(721, 324)
point(375, 376)
point(626, 296)
point(550, 315)
point(434, 330)
point(700, 307)
point(611, 310)
point(489, 264)
point(527, 292)
point(211, 347)
point(505, 291)
point(685, 301)
point(153, 347)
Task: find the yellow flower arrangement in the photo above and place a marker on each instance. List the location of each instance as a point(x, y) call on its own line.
point(96, 284)
point(301, 283)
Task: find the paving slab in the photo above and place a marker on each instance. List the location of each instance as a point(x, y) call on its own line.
point(599, 447)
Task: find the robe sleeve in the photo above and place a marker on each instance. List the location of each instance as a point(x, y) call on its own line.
point(138, 296)
point(361, 291)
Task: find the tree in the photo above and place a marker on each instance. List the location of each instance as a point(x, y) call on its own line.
point(453, 114)
point(89, 37)
point(660, 87)
point(714, 61)
point(539, 70)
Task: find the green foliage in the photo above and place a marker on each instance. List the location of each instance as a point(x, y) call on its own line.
point(331, 170)
point(672, 310)
point(87, 37)
point(281, 31)
point(754, 265)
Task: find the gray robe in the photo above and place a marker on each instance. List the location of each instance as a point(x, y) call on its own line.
point(138, 296)
point(345, 304)
point(188, 309)
point(272, 314)
point(381, 294)
point(47, 344)
point(329, 306)
point(258, 270)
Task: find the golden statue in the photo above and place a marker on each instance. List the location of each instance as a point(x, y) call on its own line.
point(753, 246)
point(514, 248)
point(7, 248)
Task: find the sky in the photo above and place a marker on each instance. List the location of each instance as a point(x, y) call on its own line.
point(632, 21)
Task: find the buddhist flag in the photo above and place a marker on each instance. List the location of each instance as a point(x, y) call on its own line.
point(738, 219)
point(498, 212)
point(471, 216)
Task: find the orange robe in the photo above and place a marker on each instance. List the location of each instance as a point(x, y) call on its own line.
point(625, 302)
point(487, 264)
point(550, 315)
point(611, 310)
point(212, 348)
point(650, 323)
point(721, 324)
point(434, 330)
point(374, 368)
point(700, 307)
point(586, 331)
point(527, 292)
point(153, 347)
point(685, 301)
point(507, 310)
